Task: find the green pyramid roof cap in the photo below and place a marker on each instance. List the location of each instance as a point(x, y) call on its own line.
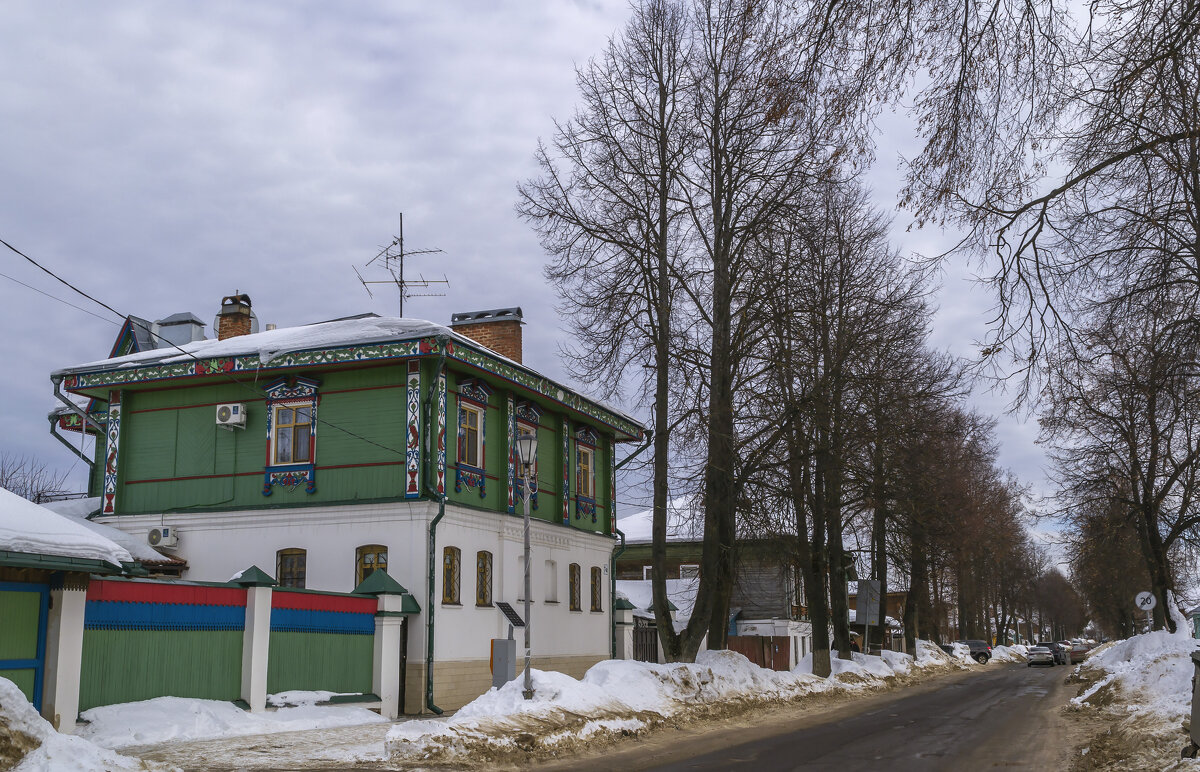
point(379, 583)
point(621, 604)
point(254, 577)
point(410, 605)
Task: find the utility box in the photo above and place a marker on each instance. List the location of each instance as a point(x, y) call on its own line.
point(504, 661)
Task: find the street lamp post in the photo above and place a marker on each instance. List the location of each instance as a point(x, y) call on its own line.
point(527, 452)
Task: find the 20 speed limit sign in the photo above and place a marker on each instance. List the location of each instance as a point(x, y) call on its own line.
point(1145, 601)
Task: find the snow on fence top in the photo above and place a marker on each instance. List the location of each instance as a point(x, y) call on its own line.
point(29, 528)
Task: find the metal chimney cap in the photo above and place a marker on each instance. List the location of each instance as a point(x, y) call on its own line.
point(495, 315)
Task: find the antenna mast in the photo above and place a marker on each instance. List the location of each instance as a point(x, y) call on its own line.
point(392, 257)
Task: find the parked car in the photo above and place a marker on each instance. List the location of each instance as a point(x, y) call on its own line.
point(1079, 652)
point(1039, 655)
point(1060, 652)
point(981, 652)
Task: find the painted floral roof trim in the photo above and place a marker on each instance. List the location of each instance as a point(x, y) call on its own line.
point(330, 343)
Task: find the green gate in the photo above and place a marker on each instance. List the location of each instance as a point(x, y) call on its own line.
point(23, 609)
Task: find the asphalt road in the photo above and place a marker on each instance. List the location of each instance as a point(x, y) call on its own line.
point(999, 716)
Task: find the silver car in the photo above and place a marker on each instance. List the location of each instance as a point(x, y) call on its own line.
point(1039, 655)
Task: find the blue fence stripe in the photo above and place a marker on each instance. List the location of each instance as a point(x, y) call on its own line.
point(311, 621)
point(124, 615)
point(19, 664)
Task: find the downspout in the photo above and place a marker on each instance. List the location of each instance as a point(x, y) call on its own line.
point(612, 570)
point(57, 379)
point(612, 594)
point(430, 460)
point(54, 433)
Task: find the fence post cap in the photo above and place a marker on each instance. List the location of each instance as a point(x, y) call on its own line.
point(253, 577)
point(379, 583)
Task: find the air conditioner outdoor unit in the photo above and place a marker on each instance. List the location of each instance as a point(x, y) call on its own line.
point(231, 416)
point(165, 537)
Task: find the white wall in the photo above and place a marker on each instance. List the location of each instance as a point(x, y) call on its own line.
point(218, 545)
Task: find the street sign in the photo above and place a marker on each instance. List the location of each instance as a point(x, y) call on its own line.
point(867, 602)
point(513, 617)
point(1145, 601)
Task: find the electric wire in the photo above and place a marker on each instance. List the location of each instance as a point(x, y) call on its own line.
point(243, 384)
point(60, 300)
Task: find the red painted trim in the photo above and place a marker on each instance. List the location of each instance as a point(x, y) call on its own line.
point(309, 601)
point(257, 474)
point(154, 592)
point(250, 399)
point(356, 466)
point(189, 407)
point(193, 477)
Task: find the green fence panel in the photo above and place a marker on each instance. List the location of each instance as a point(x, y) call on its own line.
point(335, 662)
point(132, 665)
point(19, 631)
point(24, 679)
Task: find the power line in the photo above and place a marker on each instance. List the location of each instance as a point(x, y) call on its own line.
point(60, 279)
point(60, 300)
point(175, 346)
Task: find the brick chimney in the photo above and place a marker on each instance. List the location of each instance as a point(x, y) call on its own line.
point(499, 330)
point(234, 317)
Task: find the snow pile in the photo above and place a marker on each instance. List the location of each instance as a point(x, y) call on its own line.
point(31, 528)
point(614, 696)
point(1143, 687)
point(1152, 671)
point(1009, 653)
point(622, 697)
point(931, 655)
point(29, 744)
point(77, 510)
point(165, 719)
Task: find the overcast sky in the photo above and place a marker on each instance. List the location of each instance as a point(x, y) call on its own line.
point(163, 155)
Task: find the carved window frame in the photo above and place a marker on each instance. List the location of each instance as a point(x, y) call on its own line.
point(291, 394)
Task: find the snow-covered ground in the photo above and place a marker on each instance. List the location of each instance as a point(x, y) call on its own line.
point(614, 698)
point(176, 719)
point(29, 742)
point(624, 697)
point(1142, 687)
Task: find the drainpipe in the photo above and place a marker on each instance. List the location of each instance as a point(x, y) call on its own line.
point(57, 379)
point(612, 571)
point(612, 594)
point(430, 473)
point(54, 433)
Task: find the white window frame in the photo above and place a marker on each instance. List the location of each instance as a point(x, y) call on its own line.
point(275, 429)
point(465, 407)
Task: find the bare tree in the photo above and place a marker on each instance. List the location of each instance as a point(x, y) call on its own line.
point(608, 208)
point(29, 478)
point(1124, 417)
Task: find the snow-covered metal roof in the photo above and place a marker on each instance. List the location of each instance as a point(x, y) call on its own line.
point(29, 528)
point(327, 344)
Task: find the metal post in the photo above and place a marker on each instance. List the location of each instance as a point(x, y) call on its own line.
point(528, 692)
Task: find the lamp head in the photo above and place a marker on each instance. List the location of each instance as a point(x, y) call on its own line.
point(527, 448)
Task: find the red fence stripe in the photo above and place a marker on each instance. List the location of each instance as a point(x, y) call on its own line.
point(154, 592)
point(310, 601)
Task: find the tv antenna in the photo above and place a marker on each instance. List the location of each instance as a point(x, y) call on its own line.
point(391, 259)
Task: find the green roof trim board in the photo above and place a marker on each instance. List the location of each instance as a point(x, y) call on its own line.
point(105, 375)
point(61, 563)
